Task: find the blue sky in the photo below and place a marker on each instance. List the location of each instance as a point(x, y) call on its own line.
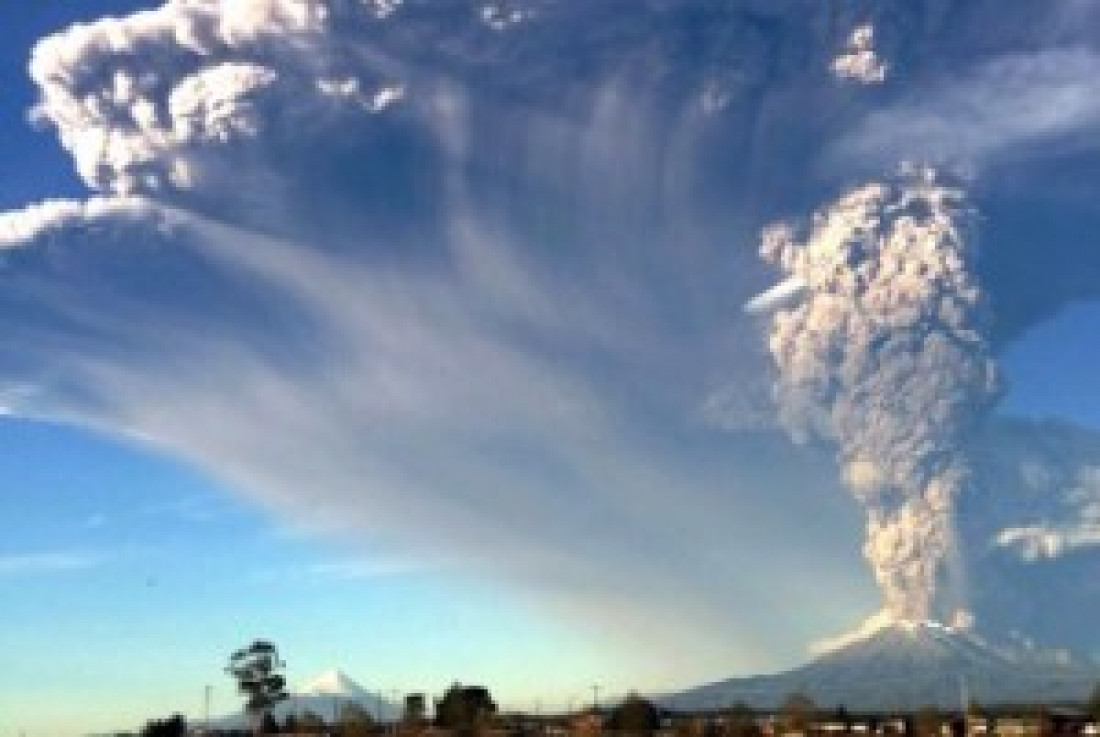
point(131, 577)
point(1048, 369)
point(429, 362)
point(43, 169)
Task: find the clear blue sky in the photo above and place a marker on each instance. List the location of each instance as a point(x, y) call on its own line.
point(430, 364)
point(128, 578)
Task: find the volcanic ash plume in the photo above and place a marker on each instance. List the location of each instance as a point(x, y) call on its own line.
point(884, 353)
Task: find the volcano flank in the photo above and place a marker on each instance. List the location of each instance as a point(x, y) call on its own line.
point(906, 666)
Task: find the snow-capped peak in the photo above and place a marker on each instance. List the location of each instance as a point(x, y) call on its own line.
point(332, 682)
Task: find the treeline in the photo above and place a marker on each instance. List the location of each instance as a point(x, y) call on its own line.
point(470, 711)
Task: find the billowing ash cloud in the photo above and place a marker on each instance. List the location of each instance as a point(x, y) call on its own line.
point(174, 98)
point(886, 355)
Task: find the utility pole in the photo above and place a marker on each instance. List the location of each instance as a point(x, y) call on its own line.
point(596, 698)
point(206, 693)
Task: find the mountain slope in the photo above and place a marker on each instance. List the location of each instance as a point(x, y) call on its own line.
point(906, 667)
point(324, 695)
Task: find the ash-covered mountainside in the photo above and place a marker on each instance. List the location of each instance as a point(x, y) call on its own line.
point(905, 667)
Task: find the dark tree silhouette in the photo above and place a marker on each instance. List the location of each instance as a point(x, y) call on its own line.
point(464, 708)
point(268, 725)
point(635, 716)
point(1093, 705)
point(173, 726)
point(257, 670)
point(416, 708)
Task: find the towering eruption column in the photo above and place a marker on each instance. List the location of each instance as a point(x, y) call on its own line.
point(879, 334)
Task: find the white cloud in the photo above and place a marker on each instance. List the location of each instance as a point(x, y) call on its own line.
point(1078, 507)
point(152, 100)
point(54, 217)
point(1003, 105)
point(859, 62)
point(500, 16)
point(383, 8)
point(349, 89)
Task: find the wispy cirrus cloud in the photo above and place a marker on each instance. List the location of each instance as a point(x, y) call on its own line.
point(1015, 105)
point(39, 563)
point(346, 569)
